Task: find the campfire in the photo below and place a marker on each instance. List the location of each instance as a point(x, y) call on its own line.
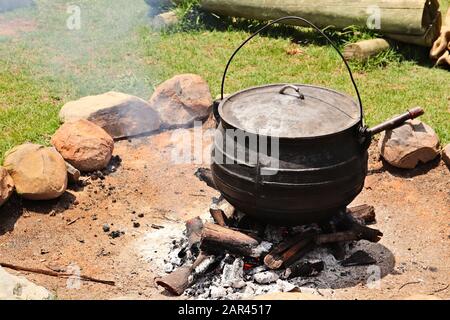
point(230, 255)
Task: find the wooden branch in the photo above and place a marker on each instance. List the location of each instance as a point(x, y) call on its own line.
point(179, 280)
point(217, 239)
point(56, 274)
point(72, 173)
point(205, 175)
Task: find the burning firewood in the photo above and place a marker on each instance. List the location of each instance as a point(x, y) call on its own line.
point(218, 239)
point(179, 280)
point(294, 248)
point(194, 228)
point(289, 250)
point(218, 215)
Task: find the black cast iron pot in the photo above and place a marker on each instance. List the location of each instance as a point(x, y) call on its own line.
point(290, 154)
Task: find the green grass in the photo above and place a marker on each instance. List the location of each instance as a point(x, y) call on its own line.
point(42, 69)
point(33, 115)
point(114, 50)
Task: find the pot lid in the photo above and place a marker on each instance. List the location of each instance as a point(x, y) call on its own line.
point(290, 111)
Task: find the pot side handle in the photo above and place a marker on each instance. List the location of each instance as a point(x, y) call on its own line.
point(396, 121)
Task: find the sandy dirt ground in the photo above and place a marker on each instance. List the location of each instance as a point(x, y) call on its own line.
point(412, 208)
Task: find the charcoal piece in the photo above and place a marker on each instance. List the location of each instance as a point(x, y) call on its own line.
point(304, 269)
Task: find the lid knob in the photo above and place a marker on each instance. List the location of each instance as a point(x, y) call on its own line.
point(296, 89)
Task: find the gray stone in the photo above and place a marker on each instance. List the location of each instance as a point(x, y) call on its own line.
point(182, 100)
point(119, 114)
point(411, 144)
point(18, 288)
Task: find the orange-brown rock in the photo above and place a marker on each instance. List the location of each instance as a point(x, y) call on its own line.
point(38, 172)
point(84, 145)
point(411, 144)
point(6, 185)
point(182, 100)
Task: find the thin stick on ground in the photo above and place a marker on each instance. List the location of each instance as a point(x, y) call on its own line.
point(55, 274)
point(408, 283)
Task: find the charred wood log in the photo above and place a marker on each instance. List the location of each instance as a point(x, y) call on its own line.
point(218, 215)
point(194, 228)
point(330, 238)
point(333, 240)
point(216, 239)
point(346, 222)
point(179, 280)
point(290, 250)
point(304, 269)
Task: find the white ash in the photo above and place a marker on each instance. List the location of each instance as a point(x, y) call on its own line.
point(166, 249)
point(155, 246)
point(233, 273)
point(262, 248)
point(204, 265)
point(266, 277)
point(286, 286)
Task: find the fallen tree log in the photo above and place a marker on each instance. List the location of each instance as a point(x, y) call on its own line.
point(363, 50)
point(440, 50)
point(416, 18)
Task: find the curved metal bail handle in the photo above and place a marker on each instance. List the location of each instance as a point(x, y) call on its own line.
point(318, 30)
